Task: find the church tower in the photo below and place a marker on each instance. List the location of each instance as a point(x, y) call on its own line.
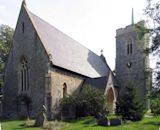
point(132, 63)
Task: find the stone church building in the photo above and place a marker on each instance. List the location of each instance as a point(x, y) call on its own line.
point(45, 64)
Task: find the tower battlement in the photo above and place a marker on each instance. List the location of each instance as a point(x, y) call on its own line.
point(129, 28)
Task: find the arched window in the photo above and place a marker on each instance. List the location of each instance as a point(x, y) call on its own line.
point(64, 89)
point(24, 79)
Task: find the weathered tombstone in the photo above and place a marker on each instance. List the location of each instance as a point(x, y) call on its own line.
point(115, 122)
point(102, 120)
point(41, 117)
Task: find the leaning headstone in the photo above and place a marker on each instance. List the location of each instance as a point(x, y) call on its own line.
point(41, 117)
point(115, 122)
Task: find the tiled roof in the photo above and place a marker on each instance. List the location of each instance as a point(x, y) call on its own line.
point(66, 52)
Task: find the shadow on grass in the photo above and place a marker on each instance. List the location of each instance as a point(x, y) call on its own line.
point(152, 123)
point(83, 122)
point(89, 121)
point(81, 119)
point(71, 120)
point(24, 126)
point(6, 120)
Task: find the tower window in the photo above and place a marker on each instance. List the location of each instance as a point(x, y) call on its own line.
point(129, 46)
point(22, 27)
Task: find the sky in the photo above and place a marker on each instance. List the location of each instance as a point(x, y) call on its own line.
point(93, 23)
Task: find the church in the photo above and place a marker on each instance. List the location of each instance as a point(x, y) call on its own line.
point(45, 64)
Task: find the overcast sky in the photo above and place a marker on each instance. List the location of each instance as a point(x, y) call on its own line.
point(93, 23)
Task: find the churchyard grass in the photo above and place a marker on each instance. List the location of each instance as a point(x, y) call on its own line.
point(17, 125)
point(88, 123)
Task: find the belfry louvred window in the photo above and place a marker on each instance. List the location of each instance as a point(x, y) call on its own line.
point(129, 47)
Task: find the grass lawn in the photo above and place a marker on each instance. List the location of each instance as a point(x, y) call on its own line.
point(88, 123)
point(17, 125)
point(148, 123)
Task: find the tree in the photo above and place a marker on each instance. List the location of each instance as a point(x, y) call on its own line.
point(128, 105)
point(152, 11)
point(155, 102)
point(6, 34)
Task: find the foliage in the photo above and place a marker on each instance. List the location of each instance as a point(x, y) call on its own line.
point(89, 101)
point(155, 102)
point(69, 101)
point(141, 30)
point(155, 94)
point(155, 106)
point(6, 34)
point(128, 105)
point(152, 12)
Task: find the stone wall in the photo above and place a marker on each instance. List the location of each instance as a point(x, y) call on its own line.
point(58, 79)
point(25, 44)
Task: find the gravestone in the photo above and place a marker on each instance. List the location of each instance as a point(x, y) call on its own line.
point(41, 117)
point(102, 120)
point(115, 122)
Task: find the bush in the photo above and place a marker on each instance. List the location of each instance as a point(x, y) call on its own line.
point(155, 106)
point(89, 101)
point(67, 102)
point(129, 106)
point(155, 102)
